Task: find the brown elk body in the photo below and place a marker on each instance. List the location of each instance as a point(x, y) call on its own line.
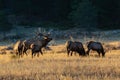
point(27, 43)
point(37, 46)
point(75, 47)
point(21, 47)
point(18, 47)
point(95, 46)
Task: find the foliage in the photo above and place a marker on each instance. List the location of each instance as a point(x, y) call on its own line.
point(4, 24)
point(102, 14)
point(84, 15)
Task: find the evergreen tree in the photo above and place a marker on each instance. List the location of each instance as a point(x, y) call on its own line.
point(84, 14)
point(108, 13)
point(4, 24)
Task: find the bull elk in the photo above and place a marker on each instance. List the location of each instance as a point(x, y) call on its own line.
point(40, 40)
point(39, 37)
point(37, 46)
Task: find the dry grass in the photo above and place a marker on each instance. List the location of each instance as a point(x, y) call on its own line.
point(56, 65)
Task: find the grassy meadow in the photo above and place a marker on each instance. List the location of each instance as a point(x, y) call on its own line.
point(56, 65)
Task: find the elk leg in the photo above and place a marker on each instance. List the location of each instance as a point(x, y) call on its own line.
point(68, 51)
point(103, 53)
point(98, 53)
point(25, 51)
point(83, 52)
point(88, 52)
point(21, 53)
point(71, 53)
point(32, 54)
point(38, 54)
point(41, 52)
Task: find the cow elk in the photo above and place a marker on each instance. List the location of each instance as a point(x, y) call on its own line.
point(75, 47)
point(95, 46)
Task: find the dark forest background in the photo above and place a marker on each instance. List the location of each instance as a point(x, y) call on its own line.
point(63, 14)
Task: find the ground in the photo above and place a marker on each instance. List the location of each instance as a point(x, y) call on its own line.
point(56, 65)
